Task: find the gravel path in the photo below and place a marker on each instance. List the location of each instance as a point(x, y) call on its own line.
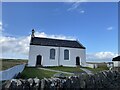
point(86, 70)
point(56, 71)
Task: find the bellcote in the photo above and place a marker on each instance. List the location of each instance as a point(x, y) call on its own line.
point(32, 35)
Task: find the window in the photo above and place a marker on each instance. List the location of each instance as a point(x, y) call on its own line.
point(66, 54)
point(52, 53)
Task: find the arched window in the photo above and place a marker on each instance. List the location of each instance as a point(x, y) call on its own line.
point(52, 53)
point(66, 54)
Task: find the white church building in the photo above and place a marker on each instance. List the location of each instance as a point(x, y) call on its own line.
point(55, 52)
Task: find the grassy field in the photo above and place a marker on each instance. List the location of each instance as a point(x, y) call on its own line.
point(8, 63)
point(34, 72)
point(47, 74)
point(101, 66)
point(97, 69)
point(66, 69)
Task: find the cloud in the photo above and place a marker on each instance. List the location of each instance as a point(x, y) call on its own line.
point(101, 56)
point(42, 34)
point(20, 46)
point(81, 11)
point(75, 6)
point(15, 45)
point(110, 28)
point(0, 26)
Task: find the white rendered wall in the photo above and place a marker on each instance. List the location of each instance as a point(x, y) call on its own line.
point(73, 53)
point(44, 51)
point(91, 65)
point(116, 63)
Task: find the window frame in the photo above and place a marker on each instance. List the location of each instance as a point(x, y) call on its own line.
point(52, 53)
point(66, 52)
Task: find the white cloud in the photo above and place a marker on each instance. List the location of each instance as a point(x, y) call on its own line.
point(42, 34)
point(81, 11)
point(101, 56)
point(75, 6)
point(20, 46)
point(14, 45)
point(110, 28)
point(0, 26)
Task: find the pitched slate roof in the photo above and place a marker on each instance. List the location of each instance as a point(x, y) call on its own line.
point(116, 58)
point(55, 42)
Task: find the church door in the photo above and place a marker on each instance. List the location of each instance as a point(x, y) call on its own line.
point(39, 59)
point(77, 61)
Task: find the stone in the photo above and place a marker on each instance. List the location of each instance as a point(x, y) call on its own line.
point(104, 79)
point(42, 84)
point(59, 75)
point(30, 80)
point(7, 85)
point(37, 81)
point(27, 85)
point(68, 83)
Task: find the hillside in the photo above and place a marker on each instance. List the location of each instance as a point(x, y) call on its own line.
point(8, 63)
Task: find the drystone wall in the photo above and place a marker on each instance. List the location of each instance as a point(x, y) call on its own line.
point(104, 79)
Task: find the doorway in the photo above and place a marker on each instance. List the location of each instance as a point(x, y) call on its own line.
point(77, 60)
point(39, 59)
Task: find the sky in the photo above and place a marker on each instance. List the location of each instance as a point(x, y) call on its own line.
point(94, 24)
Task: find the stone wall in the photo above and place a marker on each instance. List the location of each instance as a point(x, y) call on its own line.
point(104, 79)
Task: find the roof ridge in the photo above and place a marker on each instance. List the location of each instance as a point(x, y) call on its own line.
point(56, 42)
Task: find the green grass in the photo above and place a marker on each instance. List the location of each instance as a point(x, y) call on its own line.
point(8, 63)
point(30, 72)
point(97, 69)
point(66, 69)
point(34, 72)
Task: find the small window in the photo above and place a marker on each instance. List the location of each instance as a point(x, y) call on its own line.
point(66, 54)
point(52, 53)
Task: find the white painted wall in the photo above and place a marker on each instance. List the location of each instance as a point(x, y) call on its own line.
point(73, 53)
point(91, 65)
point(116, 63)
point(109, 65)
point(44, 51)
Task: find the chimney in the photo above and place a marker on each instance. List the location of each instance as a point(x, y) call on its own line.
point(33, 31)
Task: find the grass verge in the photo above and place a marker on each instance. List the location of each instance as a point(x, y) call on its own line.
point(8, 63)
point(30, 72)
point(66, 69)
point(95, 70)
